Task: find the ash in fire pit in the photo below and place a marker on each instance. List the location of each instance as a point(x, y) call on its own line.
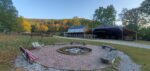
point(74, 50)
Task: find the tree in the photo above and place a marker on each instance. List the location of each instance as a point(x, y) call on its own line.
point(65, 21)
point(26, 25)
point(42, 28)
point(89, 23)
point(8, 16)
point(33, 28)
point(20, 20)
point(57, 27)
point(131, 18)
point(137, 17)
point(145, 7)
point(105, 15)
point(145, 10)
point(144, 33)
point(76, 21)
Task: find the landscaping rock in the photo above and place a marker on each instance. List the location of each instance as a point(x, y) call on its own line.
point(23, 65)
point(109, 57)
point(126, 64)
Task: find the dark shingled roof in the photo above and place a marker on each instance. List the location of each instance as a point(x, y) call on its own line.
point(112, 30)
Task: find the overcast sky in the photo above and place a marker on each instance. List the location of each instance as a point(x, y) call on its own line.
point(59, 9)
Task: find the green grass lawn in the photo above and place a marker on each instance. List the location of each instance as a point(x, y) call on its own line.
point(143, 42)
point(9, 49)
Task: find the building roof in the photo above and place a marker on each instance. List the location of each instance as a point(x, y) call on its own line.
point(112, 30)
point(76, 29)
point(108, 27)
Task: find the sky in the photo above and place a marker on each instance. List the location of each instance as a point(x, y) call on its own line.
point(60, 9)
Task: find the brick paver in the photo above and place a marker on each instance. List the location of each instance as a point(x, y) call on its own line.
point(48, 56)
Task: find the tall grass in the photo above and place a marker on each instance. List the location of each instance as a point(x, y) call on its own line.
point(9, 48)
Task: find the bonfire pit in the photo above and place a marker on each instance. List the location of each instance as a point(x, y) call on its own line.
point(74, 50)
point(70, 57)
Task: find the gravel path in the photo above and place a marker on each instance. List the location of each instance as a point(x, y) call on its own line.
point(126, 43)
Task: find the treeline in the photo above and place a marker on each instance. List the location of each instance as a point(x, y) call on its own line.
point(61, 25)
point(11, 22)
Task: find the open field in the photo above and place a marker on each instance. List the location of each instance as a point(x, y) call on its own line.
point(9, 49)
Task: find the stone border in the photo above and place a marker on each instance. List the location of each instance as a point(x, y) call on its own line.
point(62, 50)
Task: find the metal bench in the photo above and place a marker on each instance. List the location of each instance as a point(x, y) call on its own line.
point(29, 56)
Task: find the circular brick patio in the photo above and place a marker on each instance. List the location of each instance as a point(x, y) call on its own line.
point(49, 57)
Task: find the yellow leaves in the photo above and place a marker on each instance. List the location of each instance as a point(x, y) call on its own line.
point(57, 27)
point(76, 21)
point(26, 26)
point(42, 28)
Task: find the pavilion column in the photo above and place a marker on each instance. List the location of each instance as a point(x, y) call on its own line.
point(135, 35)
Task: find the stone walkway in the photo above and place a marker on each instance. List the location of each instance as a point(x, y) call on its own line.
point(126, 43)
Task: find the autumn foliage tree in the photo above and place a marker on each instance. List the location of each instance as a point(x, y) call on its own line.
point(76, 21)
point(62, 25)
point(65, 21)
point(42, 28)
point(25, 25)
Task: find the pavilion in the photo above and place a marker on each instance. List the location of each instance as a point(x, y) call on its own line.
point(113, 32)
point(101, 32)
